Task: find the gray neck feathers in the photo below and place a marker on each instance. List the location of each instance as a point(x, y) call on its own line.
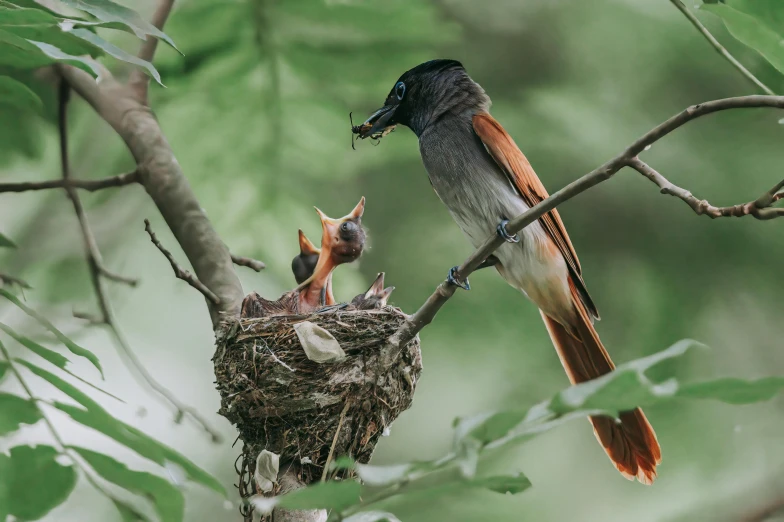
point(451, 94)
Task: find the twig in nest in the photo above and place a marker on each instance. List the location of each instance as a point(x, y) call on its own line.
point(275, 357)
point(335, 440)
point(179, 272)
point(253, 264)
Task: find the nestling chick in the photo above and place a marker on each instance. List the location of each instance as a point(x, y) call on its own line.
point(304, 263)
point(342, 241)
point(376, 296)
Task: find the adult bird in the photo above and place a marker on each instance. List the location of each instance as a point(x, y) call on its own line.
point(484, 179)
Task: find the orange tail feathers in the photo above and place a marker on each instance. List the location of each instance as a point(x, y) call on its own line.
point(631, 445)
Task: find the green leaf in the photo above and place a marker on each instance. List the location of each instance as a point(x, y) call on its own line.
point(128, 513)
point(166, 498)
point(4, 241)
point(62, 385)
point(33, 482)
point(19, 53)
point(17, 94)
point(753, 31)
point(40, 26)
point(15, 411)
point(116, 52)
point(50, 355)
point(97, 418)
point(142, 444)
point(620, 390)
point(72, 346)
point(734, 391)
point(512, 484)
point(372, 516)
point(86, 64)
point(4, 367)
point(322, 495)
point(382, 475)
point(108, 11)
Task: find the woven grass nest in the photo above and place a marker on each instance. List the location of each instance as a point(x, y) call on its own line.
point(307, 412)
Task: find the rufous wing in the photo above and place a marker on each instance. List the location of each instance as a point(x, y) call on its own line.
point(511, 160)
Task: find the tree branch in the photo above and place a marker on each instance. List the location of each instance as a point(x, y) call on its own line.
point(179, 272)
point(139, 82)
point(760, 208)
point(409, 329)
point(98, 272)
point(163, 179)
point(90, 185)
point(720, 48)
point(253, 264)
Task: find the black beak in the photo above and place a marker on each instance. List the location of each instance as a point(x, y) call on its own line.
point(378, 124)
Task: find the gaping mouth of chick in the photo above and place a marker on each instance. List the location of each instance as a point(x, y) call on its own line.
point(378, 125)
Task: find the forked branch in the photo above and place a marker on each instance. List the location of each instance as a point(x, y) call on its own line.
point(760, 208)
point(179, 272)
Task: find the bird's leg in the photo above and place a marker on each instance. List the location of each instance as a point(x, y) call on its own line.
point(501, 230)
point(452, 279)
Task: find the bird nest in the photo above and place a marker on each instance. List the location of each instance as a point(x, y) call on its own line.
point(308, 412)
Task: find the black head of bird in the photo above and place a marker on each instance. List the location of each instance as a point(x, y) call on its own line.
point(305, 262)
point(422, 95)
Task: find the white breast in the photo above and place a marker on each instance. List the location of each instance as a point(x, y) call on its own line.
point(479, 195)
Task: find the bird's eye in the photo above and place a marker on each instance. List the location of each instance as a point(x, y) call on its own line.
point(344, 227)
point(400, 90)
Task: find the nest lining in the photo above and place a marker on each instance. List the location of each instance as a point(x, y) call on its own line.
point(283, 402)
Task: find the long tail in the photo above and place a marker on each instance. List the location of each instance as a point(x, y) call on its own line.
point(631, 445)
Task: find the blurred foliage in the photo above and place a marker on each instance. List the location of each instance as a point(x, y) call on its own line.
point(257, 112)
point(33, 480)
point(757, 23)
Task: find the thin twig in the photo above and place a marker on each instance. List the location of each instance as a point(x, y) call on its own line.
point(98, 273)
point(760, 208)
point(179, 272)
point(720, 48)
point(139, 81)
point(253, 264)
point(444, 291)
point(90, 185)
point(335, 441)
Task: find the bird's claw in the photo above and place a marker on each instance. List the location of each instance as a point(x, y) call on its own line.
point(501, 230)
point(453, 280)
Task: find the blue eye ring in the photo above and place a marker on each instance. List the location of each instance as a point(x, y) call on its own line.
point(400, 90)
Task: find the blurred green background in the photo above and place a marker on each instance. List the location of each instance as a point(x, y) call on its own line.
point(257, 113)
